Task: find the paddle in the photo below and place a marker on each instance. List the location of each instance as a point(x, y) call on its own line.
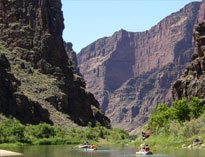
point(154, 150)
point(75, 146)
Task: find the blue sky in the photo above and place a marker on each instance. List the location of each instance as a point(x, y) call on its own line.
point(86, 21)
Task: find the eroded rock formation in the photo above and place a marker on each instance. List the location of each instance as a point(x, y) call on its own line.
point(38, 82)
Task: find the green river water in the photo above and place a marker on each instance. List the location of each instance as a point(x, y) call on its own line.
point(103, 151)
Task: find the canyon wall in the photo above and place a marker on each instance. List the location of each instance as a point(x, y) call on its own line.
point(38, 81)
point(130, 73)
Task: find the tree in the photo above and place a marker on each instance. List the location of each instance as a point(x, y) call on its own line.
point(182, 110)
point(196, 107)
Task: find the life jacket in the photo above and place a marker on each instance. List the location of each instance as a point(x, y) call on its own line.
point(147, 148)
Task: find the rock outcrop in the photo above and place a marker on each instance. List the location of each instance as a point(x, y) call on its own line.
point(38, 82)
point(192, 82)
point(72, 56)
point(130, 73)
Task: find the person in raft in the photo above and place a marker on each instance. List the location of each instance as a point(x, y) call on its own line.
point(146, 148)
point(143, 149)
point(86, 143)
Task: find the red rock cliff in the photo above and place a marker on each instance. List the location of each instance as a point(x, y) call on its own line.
point(131, 73)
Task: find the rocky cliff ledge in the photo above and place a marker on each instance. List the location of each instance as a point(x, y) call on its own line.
point(130, 73)
point(192, 82)
point(38, 82)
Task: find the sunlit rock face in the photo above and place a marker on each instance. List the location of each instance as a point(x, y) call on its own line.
point(130, 73)
point(201, 14)
point(38, 81)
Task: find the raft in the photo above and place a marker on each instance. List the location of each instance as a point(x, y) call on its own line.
point(144, 153)
point(83, 146)
point(90, 149)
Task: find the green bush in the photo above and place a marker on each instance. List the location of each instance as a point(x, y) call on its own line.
point(182, 110)
point(60, 132)
point(98, 132)
point(34, 132)
point(159, 118)
point(174, 119)
point(11, 131)
point(51, 141)
point(196, 107)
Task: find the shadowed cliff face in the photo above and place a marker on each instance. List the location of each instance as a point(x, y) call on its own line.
point(131, 73)
point(41, 84)
point(192, 82)
point(72, 56)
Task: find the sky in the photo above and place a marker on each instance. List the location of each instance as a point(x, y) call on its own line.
point(88, 20)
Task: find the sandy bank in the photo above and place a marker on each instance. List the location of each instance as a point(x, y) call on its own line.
point(8, 153)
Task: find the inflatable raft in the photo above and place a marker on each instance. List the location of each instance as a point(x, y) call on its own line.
point(144, 153)
point(83, 146)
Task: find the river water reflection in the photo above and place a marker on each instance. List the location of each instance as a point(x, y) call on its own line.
point(103, 151)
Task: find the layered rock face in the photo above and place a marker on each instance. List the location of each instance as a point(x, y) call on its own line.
point(131, 73)
point(192, 82)
point(38, 82)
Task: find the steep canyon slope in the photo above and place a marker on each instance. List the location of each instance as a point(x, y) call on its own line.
point(38, 82)
point(130, 73)
point(192, 82)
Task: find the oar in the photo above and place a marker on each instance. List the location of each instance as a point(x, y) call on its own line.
point(154, 151)
point(75, 147)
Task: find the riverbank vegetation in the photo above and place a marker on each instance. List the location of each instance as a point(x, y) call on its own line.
point(44, 134)
point(176, 125)
point(171, 126)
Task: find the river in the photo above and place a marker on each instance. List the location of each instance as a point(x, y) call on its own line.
point(103, 151)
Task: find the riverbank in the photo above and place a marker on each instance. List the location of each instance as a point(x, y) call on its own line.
point(171, 141)
point(7, 153)
point(180, 125)
point(15, 133)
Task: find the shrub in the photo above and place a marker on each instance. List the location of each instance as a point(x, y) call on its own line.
point(33, 132)
point(60, 132)
point(11, 131)
point(173, 120)
point(159, 118)
point(182, 110)
point(51, 141)
point(196, 107)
